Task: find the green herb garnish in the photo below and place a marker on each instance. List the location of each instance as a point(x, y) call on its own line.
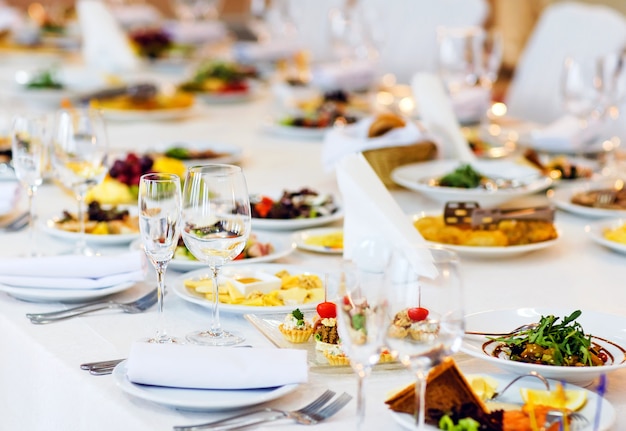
point(44, 80)
point(466, 424)
point(463, 177)
point(554, 343)
point(178, 153)
point(299, 316)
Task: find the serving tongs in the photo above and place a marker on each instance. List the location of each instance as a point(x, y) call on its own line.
point(139, 92)
point(470, 214)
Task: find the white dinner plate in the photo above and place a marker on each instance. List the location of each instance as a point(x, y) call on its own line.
point(49, 227)
point(296, 223)
point(282, 248)
point(596, 233)
point(415, 176)
point(609, 329)
point(301, 238)
point(229, 153)
point(197, 399)
point(512, 396)
point(43, 97)
point(295, 132)
point(63, 295)
point(132, 115)
point(497, 252)
point(254, 91)
point(270, 268)
point(562, 199)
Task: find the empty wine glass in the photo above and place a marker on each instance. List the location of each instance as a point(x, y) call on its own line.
point(79, 158)
point(426, 312)
point(362, 312)
point(28, 146)
point(159, 223)
point(582, 89)
point(216, 217)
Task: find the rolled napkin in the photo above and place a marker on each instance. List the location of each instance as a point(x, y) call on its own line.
point(565, 135)
point(199, 367)
point(354, 138)
point(439, 118)
point(105, 45)
point(72, 271)
point(272, 50)
point(368, 205)
point(195, 32)
point(9, 194)
point(355, 75)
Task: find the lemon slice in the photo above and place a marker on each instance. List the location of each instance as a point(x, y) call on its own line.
point(483, 386)
point(569, 399)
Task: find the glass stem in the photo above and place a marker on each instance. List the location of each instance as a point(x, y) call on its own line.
point(31, 220)
point(361, 375)
point(161, 333)
point(216, 327)
point(420, 398)
point(81, 244)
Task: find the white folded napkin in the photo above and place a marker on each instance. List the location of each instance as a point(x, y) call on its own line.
point(9, 193)
point(355, 75)
point(272, 50)
point(470, 104)
point(135, 15)
point(199, 367)
point(566, 134)
point(368, 205)
point(195, 32)
point(72, 271)
point(353, 139)
point(438, 117)
point(105, 46)
point(9, 17)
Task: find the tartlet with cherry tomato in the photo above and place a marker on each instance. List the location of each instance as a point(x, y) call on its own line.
point(325, 327)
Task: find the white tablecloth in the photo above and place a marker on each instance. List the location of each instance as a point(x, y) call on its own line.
point(44, 389)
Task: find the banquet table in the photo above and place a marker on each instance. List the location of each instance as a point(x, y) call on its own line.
point(44, 388)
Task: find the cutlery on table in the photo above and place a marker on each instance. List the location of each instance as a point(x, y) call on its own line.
point(554, 417)
point(312, 413)
point(517, 330)
point(529, 374)
point(471, 215)
point(18, 223)
point(100, 368)
point(138, 92)
point(136, 306)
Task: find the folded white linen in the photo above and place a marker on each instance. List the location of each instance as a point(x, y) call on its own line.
point(104, 43)
point(9, 193)
point(566, 134)
point(272, 50)
point(195, 32)
point(355, 75)
point(73, 271)
point(369, 207)
point(353, 138)
point(438, 117)
point(136, 15)
point(199, 367)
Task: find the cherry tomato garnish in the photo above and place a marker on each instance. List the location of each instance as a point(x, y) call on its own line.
point(603, 357)
point(417, 314)
point(327, 310)
point(346, 300)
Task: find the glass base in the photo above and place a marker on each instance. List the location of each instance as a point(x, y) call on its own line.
point(211, 338)
point(166, 339)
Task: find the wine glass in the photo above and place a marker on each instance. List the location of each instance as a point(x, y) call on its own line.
point(469, 59)
point(29, 151)
point(582, 89)
point(426, 322)
point(79, 158)
point(362, 311)
point(159, 223)
point(216, 217)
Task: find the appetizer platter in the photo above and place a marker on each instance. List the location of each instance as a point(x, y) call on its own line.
point(488, 182)
point(197, 399)
point(605, 332)
point(292, 210)
point(257, 288)
point(609, 233)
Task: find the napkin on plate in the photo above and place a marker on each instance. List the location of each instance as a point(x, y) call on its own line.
point(438, 117)
point(368, 207)
point(272, 50)
point(72, 271)
point(353, 139)
point(105, 45)
point(195, 32)
point(198, 367)
point(565, 135)
point(355, 75)
point(9, 193)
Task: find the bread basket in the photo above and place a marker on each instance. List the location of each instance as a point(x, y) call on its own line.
point(385, 160)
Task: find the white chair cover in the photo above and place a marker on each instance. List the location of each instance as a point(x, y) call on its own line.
point(564, 29)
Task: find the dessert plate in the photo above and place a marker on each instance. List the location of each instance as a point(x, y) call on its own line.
point(512, 396)
point(596, 233)
point(608, 330)
point(197, 399)
point(269, 268)
point(302, 240)
point(31, 294)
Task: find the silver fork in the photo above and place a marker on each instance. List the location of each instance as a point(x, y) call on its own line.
point(504, 334)
point(224, 423)
point(605, 197)
point(554, 417)
point(136, 306)
point(17, 223)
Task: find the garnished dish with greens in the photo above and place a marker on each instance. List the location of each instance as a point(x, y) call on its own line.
point(553, 341)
